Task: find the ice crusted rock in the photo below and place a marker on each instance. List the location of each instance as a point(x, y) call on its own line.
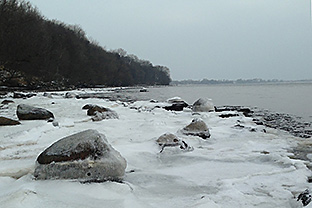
point(99, 112)
point(86, 156)
point(177, 104)
point(197, 128)
point(27, 112)
point(171, 140)
point(203, 105)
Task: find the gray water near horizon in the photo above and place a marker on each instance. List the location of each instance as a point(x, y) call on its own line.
point(291, 98)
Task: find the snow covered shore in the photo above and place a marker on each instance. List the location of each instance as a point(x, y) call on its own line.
point(235, 167)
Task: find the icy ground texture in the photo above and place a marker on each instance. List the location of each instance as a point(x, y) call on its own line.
point(233, 168)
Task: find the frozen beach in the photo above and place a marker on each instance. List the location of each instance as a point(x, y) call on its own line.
point(241, 165)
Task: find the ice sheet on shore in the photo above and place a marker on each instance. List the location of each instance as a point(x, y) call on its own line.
point(233, 168)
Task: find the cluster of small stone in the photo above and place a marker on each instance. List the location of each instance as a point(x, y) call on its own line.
point(282, 121)
point(294, 125)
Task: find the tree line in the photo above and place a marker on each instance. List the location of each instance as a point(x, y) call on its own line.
point(37, 52)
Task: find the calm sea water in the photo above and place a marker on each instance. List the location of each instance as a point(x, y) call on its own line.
point(291, 98)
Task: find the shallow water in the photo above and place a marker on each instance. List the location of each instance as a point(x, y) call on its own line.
point(291, 98)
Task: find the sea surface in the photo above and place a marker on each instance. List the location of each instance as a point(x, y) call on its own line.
point(291, 98)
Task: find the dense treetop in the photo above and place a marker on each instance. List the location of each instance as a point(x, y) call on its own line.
point(36, 52)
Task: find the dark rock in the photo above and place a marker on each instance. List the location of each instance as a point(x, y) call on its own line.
point(175, 107)
point(176, 100)
point(86, 156)
point(8, 122)
point(197, 128)
point(245, 110)
point(228, 115)
point(257, 121)
point(91, 111)
point(153, 101)
point(50, 120)
point(27, 112)
point(239, 126)
point(22, 95)
point(177, 104)
point(29, 95)
point(94, 95)
point(18, 95)
point(203, 105)
point(5, 102)
point(87, 106)
point(305, 197)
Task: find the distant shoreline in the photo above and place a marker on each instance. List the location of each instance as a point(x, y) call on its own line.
point(238, 81)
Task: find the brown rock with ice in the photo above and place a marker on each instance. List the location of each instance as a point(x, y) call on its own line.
point(197, 128)
point(171, 140)
point(99, 113)
point(8, 122)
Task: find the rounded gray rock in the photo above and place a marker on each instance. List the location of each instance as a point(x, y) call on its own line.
point(203, 105)
point(86, 156)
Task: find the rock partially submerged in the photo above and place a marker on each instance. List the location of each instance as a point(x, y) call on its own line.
point(203, 105)
point(99, 112)
point(197, 128)
point(27, 112)
point(245, 110)
point(86, 156)
point(171, 140)
point(8, 122)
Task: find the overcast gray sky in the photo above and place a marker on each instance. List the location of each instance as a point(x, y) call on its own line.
point(196, 39)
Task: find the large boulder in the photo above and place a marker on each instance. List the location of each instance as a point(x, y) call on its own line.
point(27, 112)
point(86, 156)
point(99, 112)
point(8, 122)
point(197, 128)
point(203, 105)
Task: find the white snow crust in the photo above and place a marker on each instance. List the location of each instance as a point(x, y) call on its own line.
point(233, 168)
